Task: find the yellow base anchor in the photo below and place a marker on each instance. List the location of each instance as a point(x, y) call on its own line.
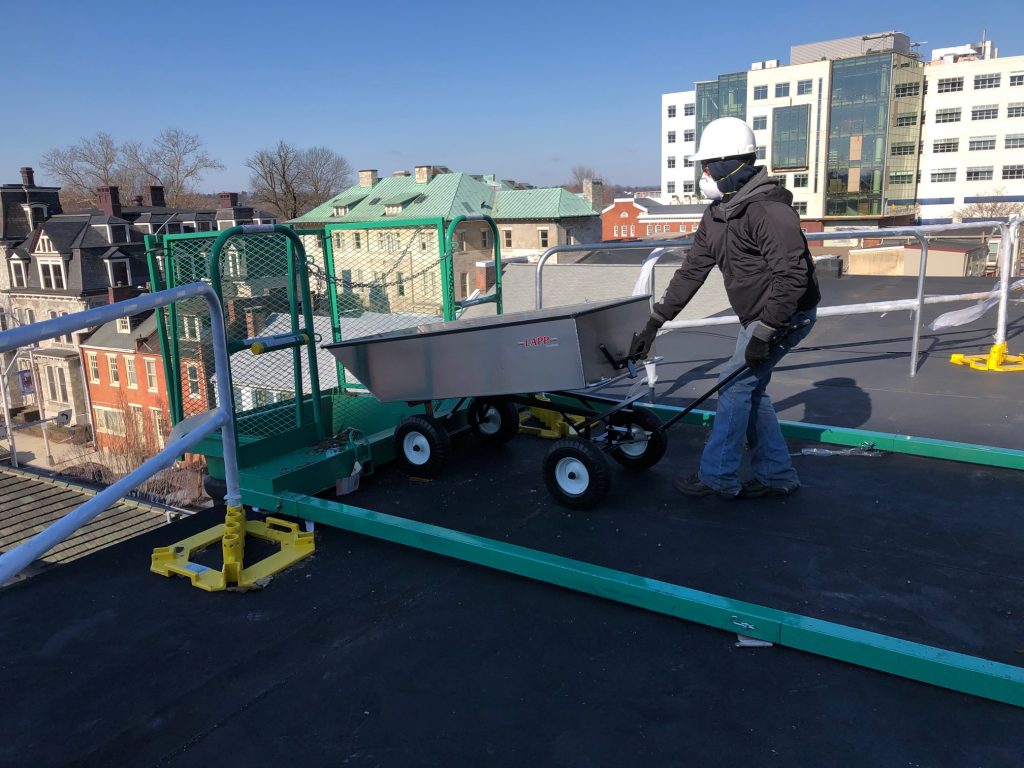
point(996, 360)
point(176, 559)
point(554, 426)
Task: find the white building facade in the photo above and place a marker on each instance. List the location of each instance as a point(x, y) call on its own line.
point(678, 142)
point(973, 137)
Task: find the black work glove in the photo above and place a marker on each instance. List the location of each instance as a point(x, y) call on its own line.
point(644, 339)
point(759, 347)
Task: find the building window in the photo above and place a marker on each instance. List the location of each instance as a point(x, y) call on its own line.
point(51, 274)
point(760, 92)
point(18, 274)
point(804, 87)
point(901, 177)
point(1015, 110)
point(508, 237)
point(119, 272)
point(124, 325)
point(940, 146)
point(671, 137)
point(951, 115)
point(615, 231)
point(986, 81)
point(687, 162)
point(1013, 172)
point(1014, 141)
point(138, 424)
point(151, 375)
point(689, 135)
point(670, 187)
point(986, 112)
point(800, 208)
point(781, 90)
point(799, 180)
point(113, 371)
point(94, 367)
point(44, 245)
point(671, 163)
point(159, 426)
point(542, 236)
point(943, 175)
point(357, 240)
point(688, 187)
point(1016, 78)
point(979, 174)
point(192, 373)
point(909, 119)
point(632, 230)
point(760, 152)
point(51, 382)
point(690, 109)
point(981, 143)
point(761, 123)
point(906, 89)
point(109, 421)
point(903, 148)
point(671, 110)
point(190, 327)
point(131, 374)
point(650, 229)
point(485, 236)
point(950, 84)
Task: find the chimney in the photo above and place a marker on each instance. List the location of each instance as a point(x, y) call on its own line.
point(28, 177)
point(368, 178)
point(123, 293)
point(154, 197)
point(425, 173)
point(593, 193)
point(401, 173)
point(255, 321)
point(109, 200)
point(227, 199)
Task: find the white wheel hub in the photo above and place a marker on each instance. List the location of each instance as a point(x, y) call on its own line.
point(416, 448)
point(572, 476)
point(639, 438)
point(490, 421)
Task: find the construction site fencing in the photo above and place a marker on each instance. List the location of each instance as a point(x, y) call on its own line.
point(1008, 233)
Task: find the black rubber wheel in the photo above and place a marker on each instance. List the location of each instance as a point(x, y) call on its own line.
point(577, 473)
point(644, 452)
point(421, 446)
point(493, 422)
point(215, 489)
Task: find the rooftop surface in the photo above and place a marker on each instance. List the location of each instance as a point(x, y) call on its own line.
point(374, 654)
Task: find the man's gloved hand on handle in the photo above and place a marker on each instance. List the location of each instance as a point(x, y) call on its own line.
point(759, 347)
point(643, 339)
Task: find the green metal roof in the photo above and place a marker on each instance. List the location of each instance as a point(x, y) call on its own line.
point(531, 204)
point(446, 196)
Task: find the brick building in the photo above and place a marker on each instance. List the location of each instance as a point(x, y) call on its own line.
point(642, 218)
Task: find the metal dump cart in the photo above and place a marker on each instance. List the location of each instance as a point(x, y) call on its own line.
point(502, 362)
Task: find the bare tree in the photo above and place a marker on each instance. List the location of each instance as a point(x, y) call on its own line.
point(290, 181)
point(581, 173)
point(176, 160)
point(991, 210)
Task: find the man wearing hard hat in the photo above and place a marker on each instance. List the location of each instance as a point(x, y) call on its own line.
point(752, 233)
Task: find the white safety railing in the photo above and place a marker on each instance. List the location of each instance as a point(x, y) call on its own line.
point(17, 559)
point(1009, 232)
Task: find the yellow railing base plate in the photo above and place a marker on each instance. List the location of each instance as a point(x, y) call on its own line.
point(175, 560)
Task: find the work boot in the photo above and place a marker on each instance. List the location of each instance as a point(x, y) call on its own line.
point(692, 485)
point(754, 489)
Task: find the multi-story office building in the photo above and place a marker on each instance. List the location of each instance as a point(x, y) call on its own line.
point(678, 142)
point(972, 158)
point(862, 132)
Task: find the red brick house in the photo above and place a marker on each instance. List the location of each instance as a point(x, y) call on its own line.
point(642, 218)
point(124, 376)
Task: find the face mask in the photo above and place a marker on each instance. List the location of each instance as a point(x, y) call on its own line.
point(709, 188)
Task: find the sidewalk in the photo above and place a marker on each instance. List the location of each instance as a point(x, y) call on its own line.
point(32, 451)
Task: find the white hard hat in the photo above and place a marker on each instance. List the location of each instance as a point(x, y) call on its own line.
point(725, 137)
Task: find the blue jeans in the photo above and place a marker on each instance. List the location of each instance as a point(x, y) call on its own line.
point(745, 411)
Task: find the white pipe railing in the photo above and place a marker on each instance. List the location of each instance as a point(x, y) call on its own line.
point(221, 417)
point(1008, 239)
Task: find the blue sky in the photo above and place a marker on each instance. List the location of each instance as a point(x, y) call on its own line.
point(522, 89)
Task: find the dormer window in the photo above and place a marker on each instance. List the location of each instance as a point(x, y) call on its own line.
point(44, 245)
point(124, 325)
point(51, 274)
point(341, 210)
point(119, 272)
point(18, 274)
point(118, 234)
point(392, 210)
point(36, 215)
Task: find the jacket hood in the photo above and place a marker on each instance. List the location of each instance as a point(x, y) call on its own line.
point(760, 187)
